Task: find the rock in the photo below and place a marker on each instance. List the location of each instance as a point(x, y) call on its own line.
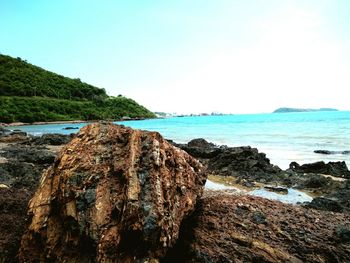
point(325, 204)
point(343, 233)
point(259, 218)
point(13, 206)
point(316, 181)
point(18, 132)
point(70, 128)
point(51, 139)
point(200, 148)
point(17, 138)
point(113, 195)
point(4, 131)
point(17, 174)
point(276, 189)
point(331, 152)
point(242, 161)
point(323, 152)
point(29, 154)
point(337, 169)
point(200, 143)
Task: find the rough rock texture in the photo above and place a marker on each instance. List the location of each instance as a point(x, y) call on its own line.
point(20, 171)
point(113, 195)
point(13, 206)
point(51, 139)
point(244, 162)
point(338, 169)
point(29, 154)
point(226, 228)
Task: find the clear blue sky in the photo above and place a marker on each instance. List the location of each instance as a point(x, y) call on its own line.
point(191, 56)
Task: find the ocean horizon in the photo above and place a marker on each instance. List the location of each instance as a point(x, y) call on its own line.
point(283, 137)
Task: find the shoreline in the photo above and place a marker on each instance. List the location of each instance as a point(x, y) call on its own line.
point(15, 124)
point(12, 124)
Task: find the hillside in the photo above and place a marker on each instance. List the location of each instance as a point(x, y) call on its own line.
point(29, 93)
point(285, 110)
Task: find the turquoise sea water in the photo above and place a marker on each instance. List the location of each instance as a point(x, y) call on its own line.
point(284, 137)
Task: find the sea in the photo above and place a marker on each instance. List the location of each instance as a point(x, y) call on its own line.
point(283, 137)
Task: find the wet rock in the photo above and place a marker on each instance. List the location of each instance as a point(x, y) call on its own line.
point(259, 218)
point(325, 204)
point(316, 181)
point(200, 148)
point(18, 174)
point(51, 139)
point(29, 154)
point(14, 138)
point(18, 132)
point(342, 196)
point(245, 162)
point(277, 189)
point(4, 131)
point(13, 207)
point(242, 161)
point(331, 152)
point(338, 169)
point(70, 128)
point(343, 233)
point(113, 195)
point(200, 143)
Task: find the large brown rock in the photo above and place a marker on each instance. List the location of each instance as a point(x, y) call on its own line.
point(114, 194)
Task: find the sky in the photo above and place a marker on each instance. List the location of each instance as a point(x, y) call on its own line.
point(191, 56)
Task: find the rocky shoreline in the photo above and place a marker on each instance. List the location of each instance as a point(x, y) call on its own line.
point(222, 228)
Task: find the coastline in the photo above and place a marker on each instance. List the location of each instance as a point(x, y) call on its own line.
point(66, 122)
point(43, 123)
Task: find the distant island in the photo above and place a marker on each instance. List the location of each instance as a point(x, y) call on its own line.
point(286, 110)
point(31, 94)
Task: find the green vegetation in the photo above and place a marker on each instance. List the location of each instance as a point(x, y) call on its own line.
point(29, 93)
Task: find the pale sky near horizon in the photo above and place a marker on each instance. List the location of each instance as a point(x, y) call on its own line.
point(191, 56)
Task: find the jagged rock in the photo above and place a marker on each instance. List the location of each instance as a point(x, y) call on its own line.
point(3, 131)
point(10, 138)
point(28, 154)
point(113, 195)
point(19, 174)
point(200, 148)
point(18, 132)
point(338, 169)
point(245, 162)
point(13, 205)
point(325, 204)
point(51, 139)
point(276, 189)
point(343, 233)
point(316, 181)
point(242, 161)
point(200, 143)
point(331, 152)
point(70, 128)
